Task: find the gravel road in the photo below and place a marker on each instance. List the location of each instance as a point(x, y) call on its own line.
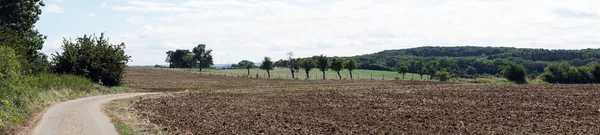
point(80, 117)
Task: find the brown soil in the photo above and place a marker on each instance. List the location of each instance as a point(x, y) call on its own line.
point(375, 107)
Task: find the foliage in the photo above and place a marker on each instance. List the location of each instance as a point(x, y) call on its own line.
point(307, 64)
point(17, 22)
point(565, 73)
point(514, 72)
point(267, 65)
point(94, 58)
point(443, 75)
point(485, 60)
point(337, 65)
point(322, 63)
point(202, 56)
point(402, 69)
point(249, 65)
point(176, 59)
point(350, 64)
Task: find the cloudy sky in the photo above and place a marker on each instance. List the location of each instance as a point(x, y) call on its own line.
point(252, 29)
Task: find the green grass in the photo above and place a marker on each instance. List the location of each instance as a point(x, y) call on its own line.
point(285, 73)
point(33, 93)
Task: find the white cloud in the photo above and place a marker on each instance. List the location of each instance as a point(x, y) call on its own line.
point(91, 14)
point(353, 27)
point(53, 8)
point(103, 4)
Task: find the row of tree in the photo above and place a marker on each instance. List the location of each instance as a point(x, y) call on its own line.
point(199, 57)
point(321, 62)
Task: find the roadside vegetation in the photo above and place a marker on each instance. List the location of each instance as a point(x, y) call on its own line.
point(89, 65)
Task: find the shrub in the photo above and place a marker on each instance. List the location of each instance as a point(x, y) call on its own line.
point(443, 74)
point(514, 72)
point(11, 88)
point(565, 73)
point(94, 58)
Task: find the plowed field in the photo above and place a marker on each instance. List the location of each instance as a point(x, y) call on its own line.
point(369, 107)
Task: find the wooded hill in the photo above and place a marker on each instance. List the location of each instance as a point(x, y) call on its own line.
point(466, 61)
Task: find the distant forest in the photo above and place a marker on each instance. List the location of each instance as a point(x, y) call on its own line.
point(466, 61)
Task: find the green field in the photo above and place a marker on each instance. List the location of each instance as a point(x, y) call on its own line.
point(285, 73)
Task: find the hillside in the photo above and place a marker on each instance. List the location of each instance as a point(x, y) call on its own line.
point(484, 60)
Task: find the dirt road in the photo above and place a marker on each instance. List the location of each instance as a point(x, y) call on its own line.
point(80, 117)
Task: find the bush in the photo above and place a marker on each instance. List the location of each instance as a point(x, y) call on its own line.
point(11, 88)
point(443, 74)
point(514, 72)
point(565, 73)
point(94, 58)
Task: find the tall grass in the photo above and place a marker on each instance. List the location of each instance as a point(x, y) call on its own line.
point(37, 91)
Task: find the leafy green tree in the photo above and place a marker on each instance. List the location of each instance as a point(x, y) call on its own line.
point(471, 71)
point(402, 69)
point(350, 64)
point(267, 65)
point(322, 64)
point(433, 67)
point(243, 63)
point(557, 73)
point(595, 71)
point(203, 56)
point(443, 74)
point(249, 65)
point(307, 64)
point(11, 87)
point(514, 72)
point(420, 68)
point(337, 65)
point(17, 22)
point(188, 61)
point(176, 58)
point(94, 58)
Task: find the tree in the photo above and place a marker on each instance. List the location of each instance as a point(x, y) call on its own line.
point(267, 65)
point(337, 65)
point(420, 68)
point(94, 58)
point(322, 64)
point(202, 56)
point(175, 58)
point(350, 64)
point(402, 69)
point(595, 70)
point(471, 71)
point(188, 61)
point(249, 65)
point(243, 63)
point(443, 74)
point(17, 22)
point(433, 67)
point(514, 72)
point(307, 64)
point(292, 64)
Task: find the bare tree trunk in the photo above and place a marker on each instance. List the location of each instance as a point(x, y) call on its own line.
point(293, 76)
point(307, 76)
point(351, 75)
point(248, 71)
point(324, 75)
point(338, 72)
point(269, 73)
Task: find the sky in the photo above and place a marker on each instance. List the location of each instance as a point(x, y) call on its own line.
point(252, 29)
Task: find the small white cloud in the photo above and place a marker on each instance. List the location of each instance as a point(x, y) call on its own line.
point(103, 4)
point(91, 14)
point(53, 8)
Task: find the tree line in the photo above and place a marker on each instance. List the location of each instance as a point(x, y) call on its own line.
point(200, 57)
point(470, 61)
